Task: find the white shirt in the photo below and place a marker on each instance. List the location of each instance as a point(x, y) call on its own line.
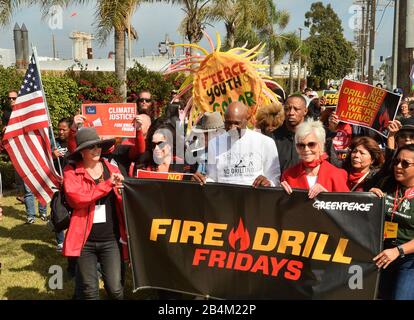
point(241, 161)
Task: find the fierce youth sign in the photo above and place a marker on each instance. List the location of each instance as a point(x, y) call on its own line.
point(237, 242)
point(111, 119)
point(368, 106)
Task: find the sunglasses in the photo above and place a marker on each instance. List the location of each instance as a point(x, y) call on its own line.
point(12, 98)
point(144, 99)
point(93, 147)
point(405, 136)
point(404, 163)
point(310, 145)
point(160, 144)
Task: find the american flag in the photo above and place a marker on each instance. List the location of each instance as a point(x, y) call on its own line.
point(26, 138)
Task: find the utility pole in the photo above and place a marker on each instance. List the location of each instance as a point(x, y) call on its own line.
point(300, 57)
point(53, 46)
point(395, 45)
point(363, 44)
point(373, 8)
point(366, 28)
point(405, 54)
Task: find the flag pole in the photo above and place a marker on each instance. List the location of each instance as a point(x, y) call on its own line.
point(47, 108)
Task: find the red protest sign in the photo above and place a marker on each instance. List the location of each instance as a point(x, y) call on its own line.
point(111, 119)
point(368, 106)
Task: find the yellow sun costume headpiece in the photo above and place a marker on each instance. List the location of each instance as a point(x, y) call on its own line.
point(218, 78)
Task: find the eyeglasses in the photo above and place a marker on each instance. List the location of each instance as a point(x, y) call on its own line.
point(404, 163)
point(310, 145)
point(144, 99)
point(12, 98)
point(160, 144)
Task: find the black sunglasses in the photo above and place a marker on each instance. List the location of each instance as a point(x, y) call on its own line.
point(310, 145)
point(160, 144)
point(404, 163)
point(93, 147)
point(405, 136)
point(144, 99)
point(12, 98)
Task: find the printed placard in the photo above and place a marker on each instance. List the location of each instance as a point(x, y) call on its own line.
point(111, 119)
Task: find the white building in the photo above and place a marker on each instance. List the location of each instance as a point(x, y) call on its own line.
point(7, 58)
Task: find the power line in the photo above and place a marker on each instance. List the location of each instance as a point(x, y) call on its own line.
point(382, 16)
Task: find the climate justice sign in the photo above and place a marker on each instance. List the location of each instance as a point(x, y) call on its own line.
point(111, 119)
point(237, 242)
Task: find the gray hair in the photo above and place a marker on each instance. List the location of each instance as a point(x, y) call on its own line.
point(311, 126)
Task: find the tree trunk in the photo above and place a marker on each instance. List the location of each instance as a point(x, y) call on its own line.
point(290, 76)
point(230, 35)
point(120, 66)
point(271, 64)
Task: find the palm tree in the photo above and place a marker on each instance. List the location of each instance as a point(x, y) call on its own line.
point(110, 15)
point(236, 15)
point(194, 20)
point(115, 15)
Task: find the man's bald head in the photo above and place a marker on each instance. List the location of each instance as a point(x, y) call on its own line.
point(236, 116)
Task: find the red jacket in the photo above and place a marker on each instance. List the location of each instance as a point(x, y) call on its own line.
point(81, 192)
point(330, 177)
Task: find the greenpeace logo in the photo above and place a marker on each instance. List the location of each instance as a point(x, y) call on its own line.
point(343, 206)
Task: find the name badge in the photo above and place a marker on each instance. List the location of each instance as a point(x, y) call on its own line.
point(100, 214)
point(390, 230)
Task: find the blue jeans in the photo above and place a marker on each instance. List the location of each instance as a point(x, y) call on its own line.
point(29, 202)
point(60, 237)
point(108, 254)
point(397, 281)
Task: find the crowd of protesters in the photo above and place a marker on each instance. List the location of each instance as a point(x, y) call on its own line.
point(296, 144)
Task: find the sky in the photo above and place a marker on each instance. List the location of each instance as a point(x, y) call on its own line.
point(154, 20)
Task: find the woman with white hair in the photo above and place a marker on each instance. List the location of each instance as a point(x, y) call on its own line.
point(313, 172)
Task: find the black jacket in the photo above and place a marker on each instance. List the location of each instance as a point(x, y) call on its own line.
point(288, 156)
point(285, 143)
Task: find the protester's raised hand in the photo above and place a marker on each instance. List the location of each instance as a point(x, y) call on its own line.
point(138, 121)
point(261, 181)
point(315, 190)
point(393, 127)
point(377, 192)
point(78, 120)
point(199, 178)
point(386, 257)
point(333, 121)
point(287, 187)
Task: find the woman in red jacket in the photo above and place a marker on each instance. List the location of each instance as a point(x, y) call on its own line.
point(314, 172)
point(97, 229)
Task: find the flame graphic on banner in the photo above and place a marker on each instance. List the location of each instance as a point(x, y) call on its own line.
point(242, 235)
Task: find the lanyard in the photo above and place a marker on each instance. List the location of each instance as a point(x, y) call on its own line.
point(408, 194)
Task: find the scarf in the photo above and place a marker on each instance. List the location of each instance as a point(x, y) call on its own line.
point(315, 163)
point(354, 177)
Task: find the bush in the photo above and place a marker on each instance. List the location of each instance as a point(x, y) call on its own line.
point(140, 78)
point(95, 86)
point(62, 97)
point(7, 174)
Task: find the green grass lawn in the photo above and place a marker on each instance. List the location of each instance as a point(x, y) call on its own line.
point(26, 254)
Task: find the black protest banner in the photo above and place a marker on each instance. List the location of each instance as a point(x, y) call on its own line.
point(237, 242)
